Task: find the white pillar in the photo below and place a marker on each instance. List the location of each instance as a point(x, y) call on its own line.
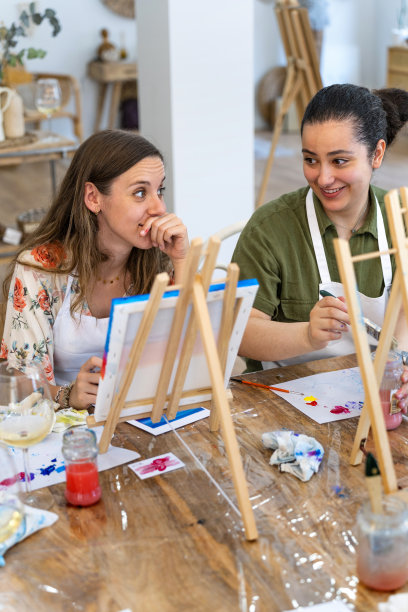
point(196, 101)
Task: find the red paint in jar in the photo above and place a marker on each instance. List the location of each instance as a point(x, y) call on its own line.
point(80, 451)
point(82, 484)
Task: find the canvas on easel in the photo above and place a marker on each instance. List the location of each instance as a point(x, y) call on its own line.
point(303, 78)
point(372, 371)
point(162, 339)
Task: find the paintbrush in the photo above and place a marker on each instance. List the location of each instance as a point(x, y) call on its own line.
point(372, 329)
point(373, 481)
point(269, 387)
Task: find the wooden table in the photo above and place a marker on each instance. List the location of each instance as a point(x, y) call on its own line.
point(42, 149)
point(172, 543)
point(115, 74)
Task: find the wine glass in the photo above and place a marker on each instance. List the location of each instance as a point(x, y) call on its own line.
point(26, 415)
point(48, 100)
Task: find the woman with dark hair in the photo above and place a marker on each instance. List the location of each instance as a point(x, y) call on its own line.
point(106, 235)
point(288, 243)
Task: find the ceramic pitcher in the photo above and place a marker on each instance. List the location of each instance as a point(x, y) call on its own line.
point(5, 99)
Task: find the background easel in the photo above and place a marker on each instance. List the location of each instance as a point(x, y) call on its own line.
point(193, 292)
point(372, 372)
point(302, 75)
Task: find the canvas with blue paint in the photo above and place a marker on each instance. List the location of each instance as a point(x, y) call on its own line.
point(184, 417)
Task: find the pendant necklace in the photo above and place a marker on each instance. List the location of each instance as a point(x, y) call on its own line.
point(360, 216)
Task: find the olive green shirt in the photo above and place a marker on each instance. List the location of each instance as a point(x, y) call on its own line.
point(276, 248)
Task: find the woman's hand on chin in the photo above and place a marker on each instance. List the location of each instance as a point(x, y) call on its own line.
point(169, 234)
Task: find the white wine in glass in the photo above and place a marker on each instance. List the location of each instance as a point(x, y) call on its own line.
point(48, 100)
point(26, 414)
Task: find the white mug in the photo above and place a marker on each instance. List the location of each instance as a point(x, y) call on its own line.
point(5, 99)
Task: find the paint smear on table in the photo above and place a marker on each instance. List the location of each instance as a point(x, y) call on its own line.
point(328, 396)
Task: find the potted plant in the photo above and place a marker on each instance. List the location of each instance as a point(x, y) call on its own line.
point(9, 54)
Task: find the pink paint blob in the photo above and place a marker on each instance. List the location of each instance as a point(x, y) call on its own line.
point(7, 482)
point(340, 410)
point(160, 465)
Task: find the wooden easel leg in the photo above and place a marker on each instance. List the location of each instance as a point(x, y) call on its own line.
point(227, 322)
point(227, 426)
point(176, 330)
point(290, 91)
point(160, 284)
point(371, 387)
point(390, 320)
point(191, 332)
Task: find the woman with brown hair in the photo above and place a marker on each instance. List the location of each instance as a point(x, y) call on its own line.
point(106, 235)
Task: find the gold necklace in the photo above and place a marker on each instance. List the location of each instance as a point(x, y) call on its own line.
point(106, 281)
point(360, 216)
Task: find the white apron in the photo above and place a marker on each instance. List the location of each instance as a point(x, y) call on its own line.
point(76, 339)
point(373, 308)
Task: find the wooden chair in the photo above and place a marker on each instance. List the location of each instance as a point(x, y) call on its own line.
point(228, 232)
point(71, 100)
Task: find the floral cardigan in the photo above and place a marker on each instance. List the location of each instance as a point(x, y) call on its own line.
point(35, 298)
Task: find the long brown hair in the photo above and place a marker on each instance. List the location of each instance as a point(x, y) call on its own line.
point(99, 160)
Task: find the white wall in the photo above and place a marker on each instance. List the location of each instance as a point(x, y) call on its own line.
point(196, 103)
point(76, 45)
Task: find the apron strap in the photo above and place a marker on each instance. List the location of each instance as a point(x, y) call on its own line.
point(319, 248)
point(317, 240)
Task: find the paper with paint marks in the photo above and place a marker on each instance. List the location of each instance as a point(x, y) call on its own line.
point(328, 396)
point(47, 464)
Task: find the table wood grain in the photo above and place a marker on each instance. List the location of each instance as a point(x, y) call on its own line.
point(173, 542)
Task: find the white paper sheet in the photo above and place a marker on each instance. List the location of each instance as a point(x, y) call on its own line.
point(47, 464)
point(328, 396)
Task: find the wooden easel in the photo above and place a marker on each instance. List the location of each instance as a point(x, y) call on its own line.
point(303, 78)
point(372, 372)
point(193, 292)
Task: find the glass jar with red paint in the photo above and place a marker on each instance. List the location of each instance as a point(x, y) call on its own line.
point(382, 552)
point(391, 382)
point(80, 451)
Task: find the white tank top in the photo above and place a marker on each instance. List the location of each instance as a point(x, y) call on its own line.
point(76, 339)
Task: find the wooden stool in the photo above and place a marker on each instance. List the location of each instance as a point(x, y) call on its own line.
point(115, 74)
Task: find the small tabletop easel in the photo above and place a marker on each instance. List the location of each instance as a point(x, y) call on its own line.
point(193, 292)
point(372, 372)
point(303, 78)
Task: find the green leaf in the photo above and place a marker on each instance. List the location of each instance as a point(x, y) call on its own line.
point(32, 8)
point(56, 26)
point(20, 31)
point(35, 53)
point(50, 13)
point(37, 18)
point(24, 18)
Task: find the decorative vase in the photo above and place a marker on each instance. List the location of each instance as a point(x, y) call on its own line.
point(5, 99)
point(13, 117)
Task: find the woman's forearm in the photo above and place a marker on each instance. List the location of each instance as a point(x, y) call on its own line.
point(266, 340)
